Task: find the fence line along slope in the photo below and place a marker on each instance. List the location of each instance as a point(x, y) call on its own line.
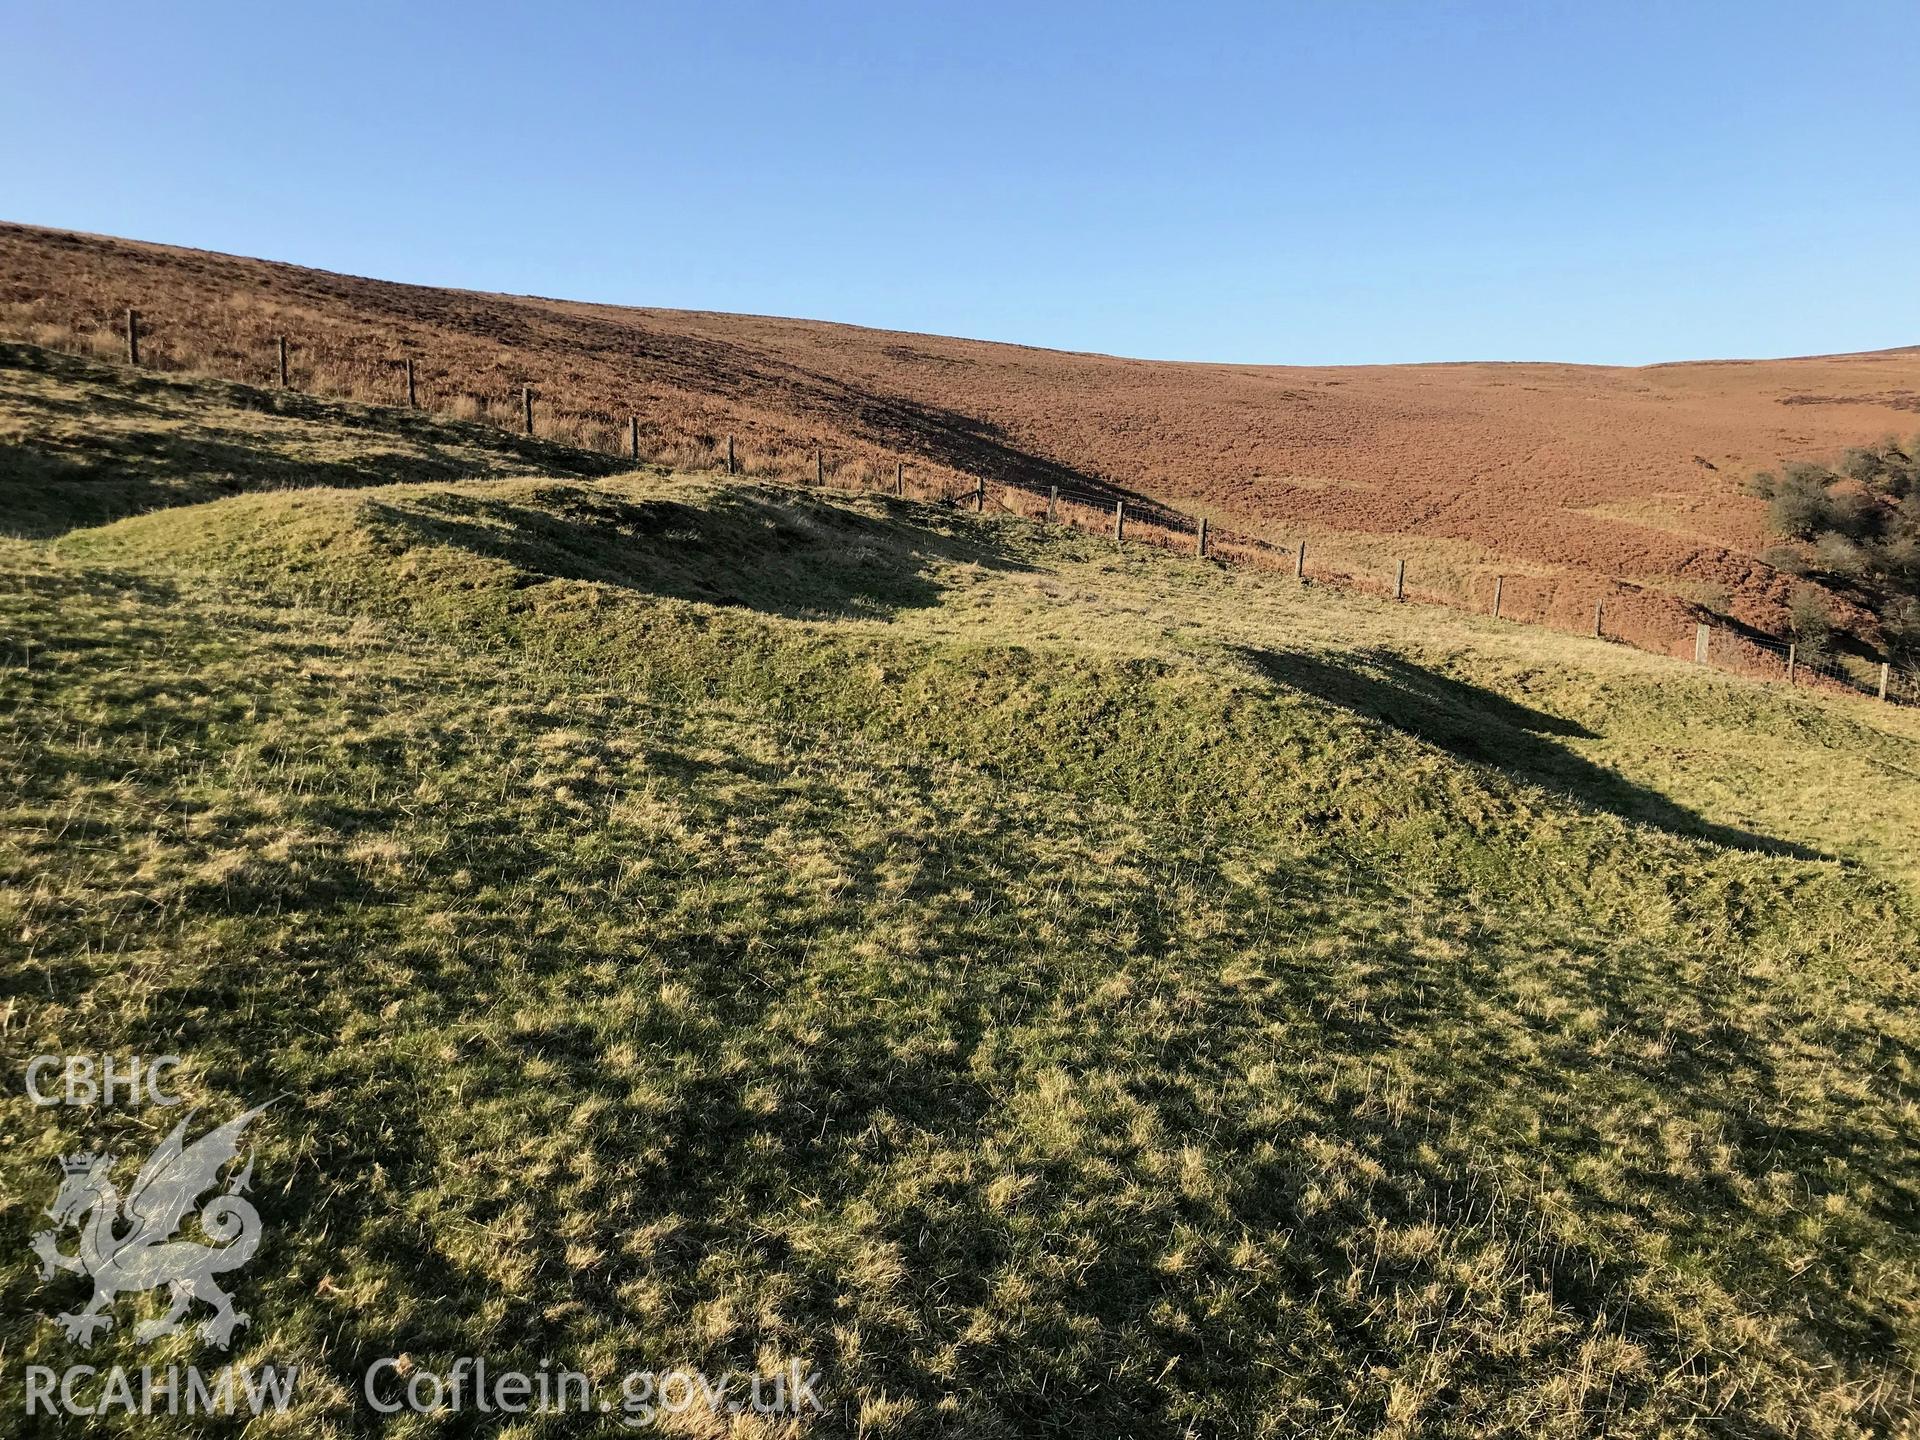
point(1572, 476)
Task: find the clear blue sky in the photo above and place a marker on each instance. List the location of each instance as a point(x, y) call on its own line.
point(1343, 181)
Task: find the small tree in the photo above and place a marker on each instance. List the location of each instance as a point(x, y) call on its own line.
point(1862, 463)
point(1852, 513)
point(1835, 554)
point(1901, 622)
point(1799, 507)
point(1785, 559)
point(1899, 556)
point(1810, 620)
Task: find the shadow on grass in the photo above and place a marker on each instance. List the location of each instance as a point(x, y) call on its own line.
point(780, 553)
point(1480, 725)
point(109, 442)
point(733, 372)
point(521, 1151)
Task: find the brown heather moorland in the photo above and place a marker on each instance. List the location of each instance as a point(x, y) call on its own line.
point(1574, 481)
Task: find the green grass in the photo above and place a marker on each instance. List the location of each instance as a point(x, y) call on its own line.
point(82, 443)
point(1045, 988)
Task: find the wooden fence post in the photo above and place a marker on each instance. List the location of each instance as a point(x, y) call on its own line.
point(979, 494)
point(1201, 547)
point(731, 468)
point(526, 407)
point(1701, 639)
point(1499, 590)
point(1300, 562)
point(1793, 658)
point(1053, 499)
point(1883, 679)
point(133, 336)
point(819, 466)
point(1400, 581)
point(1119, 519)
point(412, 402)
point(1598, 606)
point(633, 438)
point(283, 362)
point(899, 479)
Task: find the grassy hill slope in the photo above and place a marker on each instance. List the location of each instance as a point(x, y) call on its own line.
point(1042, 986)
point(1571, 475)
point(82, 443)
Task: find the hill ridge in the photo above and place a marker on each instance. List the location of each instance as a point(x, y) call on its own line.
point(1576, 475)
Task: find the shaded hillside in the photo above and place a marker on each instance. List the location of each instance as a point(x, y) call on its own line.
point(82, 443)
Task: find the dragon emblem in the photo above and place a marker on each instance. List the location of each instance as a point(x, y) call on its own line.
point(135, 1244)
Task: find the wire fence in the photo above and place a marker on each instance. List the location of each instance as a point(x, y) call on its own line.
point(1521, 599)
point(1818, 666)
point(1636, 617)
point(1613, 610)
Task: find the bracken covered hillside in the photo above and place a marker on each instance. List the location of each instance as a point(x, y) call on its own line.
point(1569, 479)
